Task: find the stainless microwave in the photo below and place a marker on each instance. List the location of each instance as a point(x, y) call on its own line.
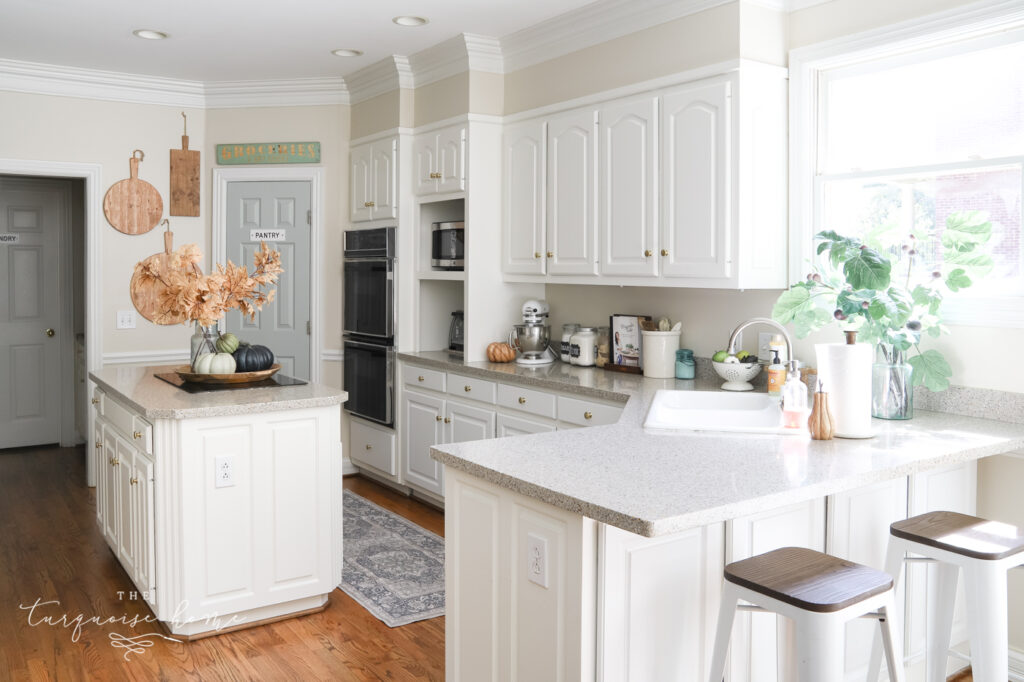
point(448, 247)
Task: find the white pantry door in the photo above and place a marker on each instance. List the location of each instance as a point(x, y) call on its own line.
point(283, 325)
point(32, 217)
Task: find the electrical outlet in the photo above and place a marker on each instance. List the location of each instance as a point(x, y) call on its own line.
point(126, 319)
point(537, 559)
point(224, 471)
point(764, 339)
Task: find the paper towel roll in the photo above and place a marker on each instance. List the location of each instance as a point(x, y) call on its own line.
point(845, 373)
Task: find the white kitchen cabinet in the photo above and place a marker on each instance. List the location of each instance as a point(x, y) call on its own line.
point(440, 161)
point(525, 159)
point(697, 173)
point(372, 445)
point(518, 426)
point(571, 202)
point(467, 422)
point(627, 190)
point(373, 179)
point(422, 428)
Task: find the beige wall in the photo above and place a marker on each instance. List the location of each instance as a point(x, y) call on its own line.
point(486, 93)
point(376, 114)
point(441, 99)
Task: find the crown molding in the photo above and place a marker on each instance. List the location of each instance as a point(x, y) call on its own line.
point(390, 73)
point(66, 81)
point(591, 24)
point(484, 53)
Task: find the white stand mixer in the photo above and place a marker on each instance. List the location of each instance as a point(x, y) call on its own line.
point(532, 337)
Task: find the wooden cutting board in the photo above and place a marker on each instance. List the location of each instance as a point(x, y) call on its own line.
point(185, 178)
point(133, 206)
point(146, 293)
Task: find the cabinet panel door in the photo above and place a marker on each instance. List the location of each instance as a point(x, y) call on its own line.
point(757, 638)
point(627, 190)
point(517, 426)
point(524, 194)
point(384, 192)
point(571, 206)
point(127, 547)
point(422, 417)
point(465, 423)
point(360, 180)
point(696, 172)
point(142, 525)
point(111, 518)
point(451, 162)
point(424, 181)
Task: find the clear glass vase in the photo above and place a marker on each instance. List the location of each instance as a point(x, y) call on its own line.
point(204, 340)
point(892, 385)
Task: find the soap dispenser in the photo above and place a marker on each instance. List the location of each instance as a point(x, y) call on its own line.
point(794, 398)
point(776, 375)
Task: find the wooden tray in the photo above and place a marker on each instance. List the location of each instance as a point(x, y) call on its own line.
point(186, 373)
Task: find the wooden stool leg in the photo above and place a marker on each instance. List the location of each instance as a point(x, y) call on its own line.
point(891, 639)
point(893, 566)
point(940, 627)
point(726, 614)
point(820, 642)
point(986, 618)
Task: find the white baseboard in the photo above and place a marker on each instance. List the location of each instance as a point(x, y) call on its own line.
point(147, 357)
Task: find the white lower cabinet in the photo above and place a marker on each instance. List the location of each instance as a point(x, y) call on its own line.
point(422, 428)
point(373, 446)
point(508, 425)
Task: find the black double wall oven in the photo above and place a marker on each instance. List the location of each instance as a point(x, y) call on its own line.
point(369, 323)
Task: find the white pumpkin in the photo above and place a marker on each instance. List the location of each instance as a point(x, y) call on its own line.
point(214, 363)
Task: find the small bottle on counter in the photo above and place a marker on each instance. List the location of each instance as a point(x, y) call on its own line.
point(686, 368)
point(603, 346)
point(567, 331)
point(776, 375)
point(794, 399)
point(583, 347)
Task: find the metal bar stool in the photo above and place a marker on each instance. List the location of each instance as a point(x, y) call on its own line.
point(820, 593)
point(985, 550)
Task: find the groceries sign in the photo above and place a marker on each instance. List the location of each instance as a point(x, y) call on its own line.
point(268, 152)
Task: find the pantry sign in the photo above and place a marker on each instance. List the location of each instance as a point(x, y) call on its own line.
point(268, 152)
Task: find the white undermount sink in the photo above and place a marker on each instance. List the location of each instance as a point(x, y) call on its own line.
point(679, 411)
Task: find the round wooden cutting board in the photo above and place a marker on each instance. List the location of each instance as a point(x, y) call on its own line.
point(133, 206)
point(146, 292)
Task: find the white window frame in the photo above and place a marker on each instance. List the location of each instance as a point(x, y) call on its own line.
point(979, 20)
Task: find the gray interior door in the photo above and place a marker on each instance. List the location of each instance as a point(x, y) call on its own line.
point(283, 208)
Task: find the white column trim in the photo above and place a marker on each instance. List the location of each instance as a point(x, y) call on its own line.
point(315, 176)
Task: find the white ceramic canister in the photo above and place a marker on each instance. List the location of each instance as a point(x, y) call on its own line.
point(845, 374)
point(583, 347)
point(659, 353)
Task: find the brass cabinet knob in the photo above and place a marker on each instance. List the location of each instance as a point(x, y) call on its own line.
point(447, 420)
point(647, 253)
point(369, 447)
point(664, 252)
point(115, 461)
point(522, 400)
point(137, 435)
point(49, 332)
point(110, 461)
point(438, 418)
point(435, 176)
point(133, 481)
point(368, 204)
point(551, 254)
point(467, 389)
point(588, 415)
point(419, 378)
point(95, 401)
point(536, 254)
point(99, 445)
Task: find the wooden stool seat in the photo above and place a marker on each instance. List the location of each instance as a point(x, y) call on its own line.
point(962, 534)
point(808, 579)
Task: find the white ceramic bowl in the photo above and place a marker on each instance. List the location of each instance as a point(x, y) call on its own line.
point(737, 375)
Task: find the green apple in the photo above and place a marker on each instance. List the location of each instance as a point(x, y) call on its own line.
point(720, 356)
point(741, 355)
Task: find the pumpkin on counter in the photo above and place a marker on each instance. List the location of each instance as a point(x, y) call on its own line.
point(500, 352)
point(253, 358)
point(227, 343)
point(214, 363)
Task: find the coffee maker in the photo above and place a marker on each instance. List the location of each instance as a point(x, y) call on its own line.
point(533, 336)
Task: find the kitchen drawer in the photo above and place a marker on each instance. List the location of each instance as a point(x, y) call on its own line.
point(423, 377)
point(99, 397)
point(587, 412)
point(373, 447)
point(527, 400)
point(472, 388)
point(119, 417)
point(142, 434)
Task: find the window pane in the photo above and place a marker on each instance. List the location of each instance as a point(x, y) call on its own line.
point(885, 210)
point(963, 107)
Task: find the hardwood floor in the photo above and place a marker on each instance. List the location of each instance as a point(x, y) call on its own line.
point(51, 549)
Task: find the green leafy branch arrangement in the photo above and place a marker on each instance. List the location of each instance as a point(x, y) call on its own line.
point(891, 296)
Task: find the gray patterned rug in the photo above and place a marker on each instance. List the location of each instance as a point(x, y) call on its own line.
point(391, 566)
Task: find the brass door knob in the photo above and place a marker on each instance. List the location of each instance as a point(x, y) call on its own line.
point(95, 401)
point(49, 332)
point(522, 400)
point(438, 418)
point(447, 420)
point(588, 415)
point(137, 435)
point(467, 389)
point(664, 252)
point(647, 253)
point(369, 447)
point(551, 254)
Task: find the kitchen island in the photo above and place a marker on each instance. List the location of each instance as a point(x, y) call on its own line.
point(223, 507)
point(597, 553)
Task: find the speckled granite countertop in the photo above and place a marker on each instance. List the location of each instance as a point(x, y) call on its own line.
point(660, 484)
point(156, 399)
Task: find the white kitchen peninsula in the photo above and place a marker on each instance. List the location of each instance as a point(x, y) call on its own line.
point(223, 507)
point(597, 554)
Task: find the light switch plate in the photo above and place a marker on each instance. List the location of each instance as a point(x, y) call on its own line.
point(537, 559)
point(126, 319)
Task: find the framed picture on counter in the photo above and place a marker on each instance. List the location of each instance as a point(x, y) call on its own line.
point(626, 349)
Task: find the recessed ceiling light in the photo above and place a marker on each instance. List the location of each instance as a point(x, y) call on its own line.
point(346, 52)
point(148, 34)
point(410, 21)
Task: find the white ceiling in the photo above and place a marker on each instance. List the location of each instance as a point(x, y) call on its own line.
point(228, 40)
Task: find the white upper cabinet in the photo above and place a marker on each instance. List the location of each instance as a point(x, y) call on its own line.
point(441, 161)
point(696, 170)
point(571, 203)
point(523, 251)
point(627, 193)
point(373, 176)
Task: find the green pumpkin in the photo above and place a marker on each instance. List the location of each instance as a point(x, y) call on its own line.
point(214, 363)
point(227, 343)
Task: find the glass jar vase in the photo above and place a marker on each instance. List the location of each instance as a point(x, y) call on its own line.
point(892, 385)
point(204, 340)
